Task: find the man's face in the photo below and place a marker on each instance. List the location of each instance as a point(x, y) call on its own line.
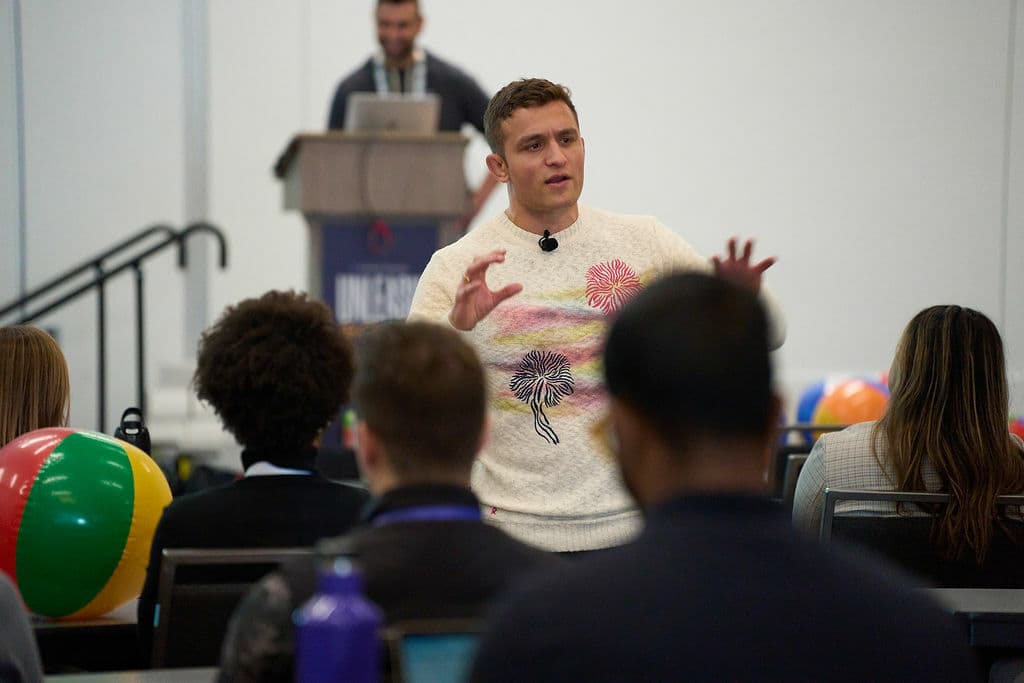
point(542, 161)
point(398, 24)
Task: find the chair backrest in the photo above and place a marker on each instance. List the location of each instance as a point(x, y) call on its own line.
point(794, 463)
point(907, 540)
point(431, 650)
point(199, 589)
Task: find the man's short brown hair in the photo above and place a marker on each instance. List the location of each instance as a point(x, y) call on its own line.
point(421, 390)
point(522, 94)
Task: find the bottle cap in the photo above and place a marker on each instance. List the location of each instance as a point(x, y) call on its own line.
point(339, 575)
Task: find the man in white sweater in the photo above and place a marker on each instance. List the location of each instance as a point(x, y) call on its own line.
point(558, 271)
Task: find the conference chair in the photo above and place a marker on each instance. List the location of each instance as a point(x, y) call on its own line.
point(794, 463)
point(199, 589)
point(801, 444)
point(908, 541)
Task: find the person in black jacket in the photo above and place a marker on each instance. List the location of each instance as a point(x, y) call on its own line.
point(425, 551)
point(718, 586)
point(276, 370)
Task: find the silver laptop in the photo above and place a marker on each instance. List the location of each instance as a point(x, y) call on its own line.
point(368, 112)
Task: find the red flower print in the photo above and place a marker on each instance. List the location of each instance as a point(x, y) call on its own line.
point(610, 285)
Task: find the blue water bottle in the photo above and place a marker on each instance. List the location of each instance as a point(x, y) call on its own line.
point(337, 631)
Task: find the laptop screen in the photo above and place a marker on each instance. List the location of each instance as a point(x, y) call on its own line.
point(433, 651)
point(393, 112)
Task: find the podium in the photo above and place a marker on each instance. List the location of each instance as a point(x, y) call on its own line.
point(377, 205)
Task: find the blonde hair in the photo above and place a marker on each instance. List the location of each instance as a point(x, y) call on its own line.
point(949, 407)
point(34, 387)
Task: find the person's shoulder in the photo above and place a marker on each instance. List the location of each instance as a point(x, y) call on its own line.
point(337, 489)
point(599, 214)
point(200, 500)
point(1018, 442)
point(448, 69)
point(358, 79)
point(522, 554)
point(8, 593)
point(640, 226)
point(481, 239)
point(309, 485)
point(856, 437)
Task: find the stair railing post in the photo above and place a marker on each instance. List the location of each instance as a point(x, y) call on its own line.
point(140, 338)
point(101, 348)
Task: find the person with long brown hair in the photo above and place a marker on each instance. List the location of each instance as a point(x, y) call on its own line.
point(944, 430)
point(35, 390)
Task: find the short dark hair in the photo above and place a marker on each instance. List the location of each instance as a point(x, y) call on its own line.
point(421, 389)
point(521, 94)
point(275, 369)
point(690, 354)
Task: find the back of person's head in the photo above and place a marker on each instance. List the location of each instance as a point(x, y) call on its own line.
point(690, 355)
point(420, 388)
point(275, 369)
point(949, 406)
point(35, 389)
point(522, 94)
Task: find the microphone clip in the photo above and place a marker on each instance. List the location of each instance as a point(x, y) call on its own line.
point(547, 242)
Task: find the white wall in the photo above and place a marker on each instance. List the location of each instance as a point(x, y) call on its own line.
point(10, 240)
point(103, 159)
point(863, 142)
point(1013, 257)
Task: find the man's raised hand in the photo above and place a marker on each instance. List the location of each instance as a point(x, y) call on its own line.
point(473, 299)
point(739, 270)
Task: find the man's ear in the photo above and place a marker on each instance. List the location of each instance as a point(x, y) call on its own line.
point(367, 450)
point(498, 167)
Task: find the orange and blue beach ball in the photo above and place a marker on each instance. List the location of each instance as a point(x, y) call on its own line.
point(77, 515)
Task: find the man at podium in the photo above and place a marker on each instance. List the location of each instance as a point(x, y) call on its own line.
point(400, 66)
point(555, 272)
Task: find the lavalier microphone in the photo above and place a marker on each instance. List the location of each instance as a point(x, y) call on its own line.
point(547, 242)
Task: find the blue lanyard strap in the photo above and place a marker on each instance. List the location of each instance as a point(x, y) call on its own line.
point(429, 513)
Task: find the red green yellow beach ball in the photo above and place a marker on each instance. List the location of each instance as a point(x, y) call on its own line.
point(77, 516)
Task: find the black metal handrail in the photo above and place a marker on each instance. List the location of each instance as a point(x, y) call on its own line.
point(100, 276)
point(85, 266)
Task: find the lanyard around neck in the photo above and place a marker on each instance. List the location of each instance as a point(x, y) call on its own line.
point(417, 75)
point(429, 513)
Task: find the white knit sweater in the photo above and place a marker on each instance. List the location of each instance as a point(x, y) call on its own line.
point(545, 475)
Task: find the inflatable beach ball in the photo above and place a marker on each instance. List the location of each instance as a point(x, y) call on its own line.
point(77, 516)
point(811, 397)
point(856, 400)
point(1017, 426)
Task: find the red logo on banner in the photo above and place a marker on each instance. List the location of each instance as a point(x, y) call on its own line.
point(380, 240)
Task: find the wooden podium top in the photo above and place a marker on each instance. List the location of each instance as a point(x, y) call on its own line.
point(374, 174)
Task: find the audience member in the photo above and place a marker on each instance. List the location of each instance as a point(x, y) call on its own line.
point(542, 476)
point(944, 429)
point(424, 552)
point(34, 386)
point(718, 586)
point(19, 656)
point(276, 370)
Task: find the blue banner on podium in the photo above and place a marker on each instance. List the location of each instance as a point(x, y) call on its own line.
point(370, 268)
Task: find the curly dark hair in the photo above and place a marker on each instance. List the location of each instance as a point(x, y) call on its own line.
point(275, 369)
